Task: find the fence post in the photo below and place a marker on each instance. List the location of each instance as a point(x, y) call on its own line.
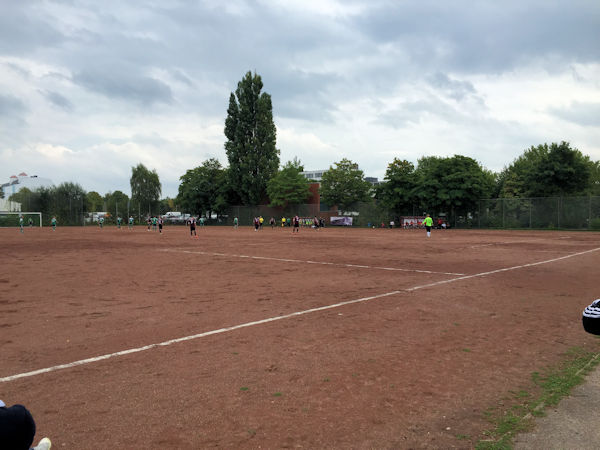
point(558, 213)
point(589, 211)
point(503, 201)
point(530, 202)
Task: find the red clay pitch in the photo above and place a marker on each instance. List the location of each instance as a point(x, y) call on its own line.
point(415, 367)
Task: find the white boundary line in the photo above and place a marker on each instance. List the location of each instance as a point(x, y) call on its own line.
point(199, 252)
point(273, 319)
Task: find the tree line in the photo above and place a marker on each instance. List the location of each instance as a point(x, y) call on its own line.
point(70, 203)
point(438, 185)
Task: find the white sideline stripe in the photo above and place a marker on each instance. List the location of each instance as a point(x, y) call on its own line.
point(273, 319)
point(199, 252)
point(506, 269)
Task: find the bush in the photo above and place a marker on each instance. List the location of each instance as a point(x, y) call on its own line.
point(595, 223)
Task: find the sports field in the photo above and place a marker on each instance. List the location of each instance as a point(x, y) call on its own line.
point(337, 338)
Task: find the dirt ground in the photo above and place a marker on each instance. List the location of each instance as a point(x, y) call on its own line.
point(351, 338)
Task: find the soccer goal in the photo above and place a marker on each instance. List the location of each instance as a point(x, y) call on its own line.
point(11, 219)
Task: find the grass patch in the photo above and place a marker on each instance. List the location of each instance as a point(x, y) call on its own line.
point(553, 383)
point(244, 388)
point(277, 394)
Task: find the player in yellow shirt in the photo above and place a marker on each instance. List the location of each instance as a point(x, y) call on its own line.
point(428, 222)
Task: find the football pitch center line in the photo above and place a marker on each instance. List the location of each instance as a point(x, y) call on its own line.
point(94, 359)
point(270, 258)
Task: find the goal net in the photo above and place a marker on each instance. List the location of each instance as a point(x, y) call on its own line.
point(11, 219)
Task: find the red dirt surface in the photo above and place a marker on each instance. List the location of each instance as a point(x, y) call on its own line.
point(417, 367)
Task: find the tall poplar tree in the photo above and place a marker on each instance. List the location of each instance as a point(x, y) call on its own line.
point(251, 138)
point(145, 188)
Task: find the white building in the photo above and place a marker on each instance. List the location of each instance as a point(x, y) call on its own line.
point(16, 183)
point(317, 175)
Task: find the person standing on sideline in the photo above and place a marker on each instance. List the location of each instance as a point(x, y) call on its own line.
point(235, 222)
point(160, 224)
point(21, 223)
point(130, 225)
point(428, 222)
point(296, 223)
point(53, 223)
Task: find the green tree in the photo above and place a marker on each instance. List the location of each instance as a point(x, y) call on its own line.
point(547, 171)
point(94, 201)
point(26, 198)
point(397, 193)
point(251, 140)
point(166, 205)
point(344, 185)
point(203, 190)
point(594, 187)
point(447, 184)
point(145, 188)
point(117, 203)
point(288, 186)
point(68, 203)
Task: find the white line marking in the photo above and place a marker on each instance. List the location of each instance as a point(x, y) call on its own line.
point(199, 252)
point(273, 319)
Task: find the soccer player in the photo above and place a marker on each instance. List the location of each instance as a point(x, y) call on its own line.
point(256, 223)
point(316, 223)
point(296, 223)
point(283, 222)
point(53, 223)
point(160, 224)
point(119, 220)
point(154, 223)
point(428, 222)
point(235, 222)
point(130, 222)
point(260, 222)
point(192, 222)
point(148, 222)
point(21, 221)
point(101, 222)
point(272, 222)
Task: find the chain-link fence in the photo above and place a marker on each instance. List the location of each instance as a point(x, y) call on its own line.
point(539, 213)
point(534, 213)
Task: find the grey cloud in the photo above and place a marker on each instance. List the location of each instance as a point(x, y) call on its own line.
point(23, 28)
point(180, 76)
point(58, 100)
point(23, 73)
point(582, 113)
point(11, 106)
point(455, 89)
point(485, 36)
point(139, 89)
point(412, 112)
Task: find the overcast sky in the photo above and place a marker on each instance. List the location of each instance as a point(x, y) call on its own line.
point(89, 89)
